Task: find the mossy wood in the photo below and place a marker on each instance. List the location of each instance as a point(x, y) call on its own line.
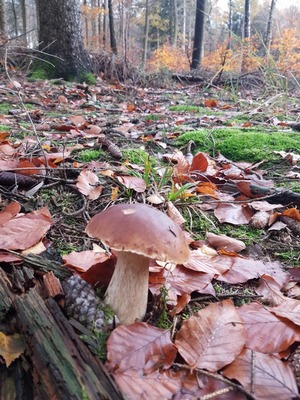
point(56, 363)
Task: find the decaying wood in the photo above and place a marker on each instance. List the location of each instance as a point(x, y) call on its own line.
point(59, 365)
point(6, 296)
point(52, 286)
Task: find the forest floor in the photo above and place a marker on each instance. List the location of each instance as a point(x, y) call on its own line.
point(223, 162)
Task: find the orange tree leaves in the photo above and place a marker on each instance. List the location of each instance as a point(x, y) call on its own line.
point(213, 337)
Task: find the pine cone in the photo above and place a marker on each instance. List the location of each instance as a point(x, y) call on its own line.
point(82, 304)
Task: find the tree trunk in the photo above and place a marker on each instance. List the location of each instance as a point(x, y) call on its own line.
point(230, 6)
point(146, 35)
point(60, 36)
point(113, 43)
point(105, 24)
point(268, 36)
point(247, 37)
point(183, 24)
point(247, 25)
point(15, 18)
point(2, 19)
point(24, 21)
point(198, 37)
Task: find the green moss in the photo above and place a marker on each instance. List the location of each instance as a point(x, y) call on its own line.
point(195, 109)
point(138, 156)
point(4, 108)
point(248, 144)
point(90, 155)
point(37, 74)
point(5, 128)
point(88, 78)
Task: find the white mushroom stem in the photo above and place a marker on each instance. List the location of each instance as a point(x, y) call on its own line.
point(127, 293)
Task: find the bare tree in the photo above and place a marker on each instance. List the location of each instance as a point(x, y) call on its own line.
point(113, 42)
point(146, 35)
point(2, 19)
point(198, 37)
point(247, 24)
point(60, 35)
point(268, 35)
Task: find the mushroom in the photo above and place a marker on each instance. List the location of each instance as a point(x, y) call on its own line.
point(137, 232)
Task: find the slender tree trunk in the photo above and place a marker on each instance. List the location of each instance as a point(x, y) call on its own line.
point(24, 21)
point(2, 19)
point(60, 36)
point(146, 35)
point(86, 26)
point(247, 36)
point(183, 24)
point(247, 24)
point(105, 24)
point(198, 37)
point(94, 24)
point(113, 43)
point(173, 22)
point(15, 18)
point(230, 13)
point(268, 36)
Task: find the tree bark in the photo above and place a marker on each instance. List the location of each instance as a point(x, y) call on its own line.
point(60, 36)
point(268, 36)
point(247, 24)
point(198, 37)
point(2, 19)
point(146, 35)
point(113, 43)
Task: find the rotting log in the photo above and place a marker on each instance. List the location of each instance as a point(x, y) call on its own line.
point(56, 364)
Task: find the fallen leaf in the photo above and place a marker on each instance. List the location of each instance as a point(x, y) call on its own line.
point(88, 184)
point(83, 260)
point(225, 242)
point(264, 375)
point(235, 214)
point(133, 182)
point(133, 346)
point(265, 332)
point(9, 212)
point(24, 231)
point(212, 338)
point(11, 347)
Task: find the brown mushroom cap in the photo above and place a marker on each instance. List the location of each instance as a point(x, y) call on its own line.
point(140, 229)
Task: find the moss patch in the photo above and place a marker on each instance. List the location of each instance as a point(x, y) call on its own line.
point(195, 109)
point(241, 144)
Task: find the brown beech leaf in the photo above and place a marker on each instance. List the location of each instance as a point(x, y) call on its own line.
point(83, 260)
point(88, 184)
point(264, 375)
point(8, 212)
point(269, 289)
point(133, 182)
point(183, 280)
point(136, 345)
point(290, 309)
point(225, 242)
point(199, 163)
point(170, 384)
point(265, 332)
point(244, 269)
point(24, 231)
point(212, 338)
point(235, 214)
point(11, 347)
point(202, 262)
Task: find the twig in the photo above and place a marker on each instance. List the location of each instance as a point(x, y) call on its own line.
point(218, 377)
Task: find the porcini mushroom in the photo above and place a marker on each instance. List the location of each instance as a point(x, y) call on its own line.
point(137, 232)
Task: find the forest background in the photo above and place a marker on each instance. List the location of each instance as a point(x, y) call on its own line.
point(159, 35)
